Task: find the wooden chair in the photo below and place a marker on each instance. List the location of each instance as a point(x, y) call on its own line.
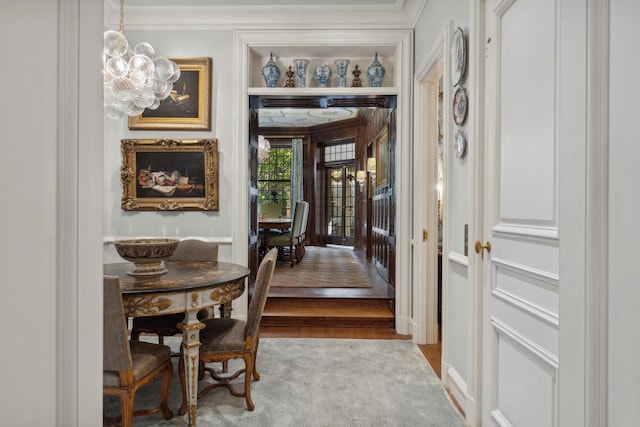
point(225, 339)
point(294, 239)
point(129, 365)
point(166, 325)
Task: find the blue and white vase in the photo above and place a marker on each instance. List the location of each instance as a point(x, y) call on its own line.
point(300, 66)
point(322, 74)
point(341, 67)
point(271, 72)
point(375, 72)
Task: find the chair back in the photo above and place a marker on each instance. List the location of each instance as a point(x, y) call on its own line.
point(195, 250)
point(260, 292)
point(305, 218)
point(271, 210)
point(300, 216)
point(116, 351)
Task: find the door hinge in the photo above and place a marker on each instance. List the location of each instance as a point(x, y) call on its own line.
point(425, 235)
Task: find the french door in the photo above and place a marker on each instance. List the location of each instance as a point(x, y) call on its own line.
point(340, 209)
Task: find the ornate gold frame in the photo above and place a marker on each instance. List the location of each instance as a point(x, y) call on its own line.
point(382, 157)
point(197, 193)
point(172, 121)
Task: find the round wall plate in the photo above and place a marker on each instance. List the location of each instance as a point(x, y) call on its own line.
point(460, 144)
point(458, 56)
point(460, 106)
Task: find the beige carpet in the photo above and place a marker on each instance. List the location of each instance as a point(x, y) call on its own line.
point(321, 267)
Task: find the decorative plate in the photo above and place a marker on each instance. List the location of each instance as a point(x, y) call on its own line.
point(460, 144)
point(460, 106)
point(458, 56)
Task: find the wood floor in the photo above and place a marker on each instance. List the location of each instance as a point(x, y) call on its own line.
point(321, 313)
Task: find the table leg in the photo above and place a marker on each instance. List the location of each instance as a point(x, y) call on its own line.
point(225, 310)
point(190, 353)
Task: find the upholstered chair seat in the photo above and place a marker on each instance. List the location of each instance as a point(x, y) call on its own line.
point(145, 358)
point(223, 335)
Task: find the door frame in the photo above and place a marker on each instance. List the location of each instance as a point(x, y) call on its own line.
point(425, 297)
point(244, 45)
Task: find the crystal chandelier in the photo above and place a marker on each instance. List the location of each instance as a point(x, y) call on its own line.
point(263, 148)
point(134, 79)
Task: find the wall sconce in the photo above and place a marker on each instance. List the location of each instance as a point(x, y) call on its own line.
point(371, 168)
point(361, 177)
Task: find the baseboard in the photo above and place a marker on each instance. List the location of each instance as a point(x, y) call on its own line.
point(456, 386)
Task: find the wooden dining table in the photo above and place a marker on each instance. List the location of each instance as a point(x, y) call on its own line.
point(187, 287)
point(268, 224)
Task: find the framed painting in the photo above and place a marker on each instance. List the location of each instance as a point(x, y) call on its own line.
point(188, 106)
point(382, 157)
point(169, 174)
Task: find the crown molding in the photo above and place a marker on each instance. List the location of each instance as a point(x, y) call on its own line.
point(197, 15)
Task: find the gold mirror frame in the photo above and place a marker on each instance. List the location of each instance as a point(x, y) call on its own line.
point(190, 192)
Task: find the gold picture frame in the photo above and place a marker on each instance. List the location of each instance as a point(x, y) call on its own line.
point(188, 107)
point(382, 157)
point(169, 174)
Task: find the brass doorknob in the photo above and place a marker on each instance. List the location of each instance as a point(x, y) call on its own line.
point(479, 246)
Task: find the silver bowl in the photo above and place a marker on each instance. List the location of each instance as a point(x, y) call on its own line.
point(147, 255)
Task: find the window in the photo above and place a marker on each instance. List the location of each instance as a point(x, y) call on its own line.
point(339, 152)
point(274, 178)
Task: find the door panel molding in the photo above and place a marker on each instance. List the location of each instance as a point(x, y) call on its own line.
point(537, 284)
point(529, 231)
point(458, 258)
point(533, 369)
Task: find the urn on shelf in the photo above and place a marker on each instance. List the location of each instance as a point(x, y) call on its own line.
point(271, 72)
point(300, 66)
point(322, 74)
point(341, 67)
point(375, 72)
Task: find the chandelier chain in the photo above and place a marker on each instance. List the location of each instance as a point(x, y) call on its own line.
point(122, 16)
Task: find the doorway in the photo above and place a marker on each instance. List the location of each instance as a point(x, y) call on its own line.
point(340, 195)
point(340, 206)
point(333, 154)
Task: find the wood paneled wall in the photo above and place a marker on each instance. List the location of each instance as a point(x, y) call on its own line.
point(381, 197)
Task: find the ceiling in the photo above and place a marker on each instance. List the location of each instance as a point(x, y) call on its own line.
point(303, 117)
point(235, 3)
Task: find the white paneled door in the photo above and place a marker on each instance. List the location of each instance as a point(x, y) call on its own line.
point(520, 268)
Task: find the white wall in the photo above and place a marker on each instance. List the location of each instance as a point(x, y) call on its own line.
point(215, 226)
point(624, 210)
point(435, 17)
point(51, 271)
point(432, 21)
point(28, 225)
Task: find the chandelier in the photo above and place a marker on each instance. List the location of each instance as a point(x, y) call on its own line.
point(134, 79)
point(263, 148)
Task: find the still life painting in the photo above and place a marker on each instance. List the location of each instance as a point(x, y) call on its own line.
point(169, 174)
